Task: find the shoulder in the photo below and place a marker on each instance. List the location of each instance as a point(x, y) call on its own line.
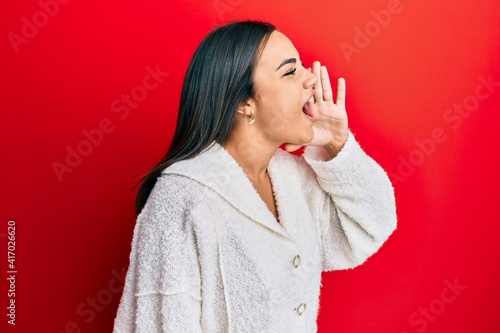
point(176, 190)
point(172, 199)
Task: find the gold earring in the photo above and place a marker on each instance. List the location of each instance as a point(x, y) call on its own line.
point(251, 119)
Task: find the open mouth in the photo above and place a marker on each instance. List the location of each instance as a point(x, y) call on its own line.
point(305, 108)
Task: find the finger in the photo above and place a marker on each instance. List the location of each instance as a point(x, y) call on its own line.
point(318, 90)
point(325, 83)
point(341, 88)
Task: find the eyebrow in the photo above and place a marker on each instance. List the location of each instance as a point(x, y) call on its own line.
point(286, 61)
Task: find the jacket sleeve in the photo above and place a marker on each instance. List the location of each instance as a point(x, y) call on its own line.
point(162, 287)
point(356, 207)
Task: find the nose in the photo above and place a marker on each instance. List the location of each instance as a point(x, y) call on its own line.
point(310, 81)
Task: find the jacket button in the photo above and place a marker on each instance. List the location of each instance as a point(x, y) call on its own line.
point(301, 308)
point(296, 261)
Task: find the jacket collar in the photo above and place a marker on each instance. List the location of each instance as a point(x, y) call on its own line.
point(216, 169)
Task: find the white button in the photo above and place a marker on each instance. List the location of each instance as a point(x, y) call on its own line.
point(301, 308)
point(296, 261)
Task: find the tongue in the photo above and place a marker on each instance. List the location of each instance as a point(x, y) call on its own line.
point(305, 110)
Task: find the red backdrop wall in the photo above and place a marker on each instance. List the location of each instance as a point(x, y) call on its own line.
point(88, 102)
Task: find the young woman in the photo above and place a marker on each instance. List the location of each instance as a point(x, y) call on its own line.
point(233, 233)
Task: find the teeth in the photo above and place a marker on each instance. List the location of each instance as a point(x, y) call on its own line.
point(310, 100)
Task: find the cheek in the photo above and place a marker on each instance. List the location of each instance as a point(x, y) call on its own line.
point(278, 104)
point(283, 103)
point(280, 111)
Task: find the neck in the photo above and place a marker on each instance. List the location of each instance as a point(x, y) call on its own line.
point(252, 153)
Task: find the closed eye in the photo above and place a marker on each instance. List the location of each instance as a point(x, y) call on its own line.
point(291, 72)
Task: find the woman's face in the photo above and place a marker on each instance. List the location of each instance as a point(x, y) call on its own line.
point(283, 86)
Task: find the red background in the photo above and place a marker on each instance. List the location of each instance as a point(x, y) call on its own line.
point(73, 233)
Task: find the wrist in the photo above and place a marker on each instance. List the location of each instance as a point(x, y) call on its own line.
point(336, 145)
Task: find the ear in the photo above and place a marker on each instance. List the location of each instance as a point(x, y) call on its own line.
point(246, 108)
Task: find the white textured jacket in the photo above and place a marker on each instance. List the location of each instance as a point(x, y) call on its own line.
point(208, 255)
